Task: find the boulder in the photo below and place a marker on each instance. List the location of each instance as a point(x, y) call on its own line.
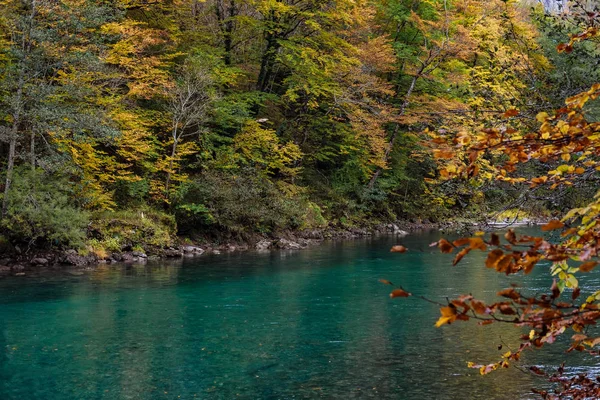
point(286, 244)
point(39, 261)
point(192, 250)
point(263, 245)
point(139, 254)
point(17, 268)
point(172, 253)
point(72, 258)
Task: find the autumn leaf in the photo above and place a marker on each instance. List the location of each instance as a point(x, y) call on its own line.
point(511, 113)
point(398, 249)
point(386, 282)
point(495, 240)
point(510, 236)
point(449, 315)
point(445, 246)
point(552, 225)
point(460, 255)
point(399, 293)
point(587, 266)
point(493, 258)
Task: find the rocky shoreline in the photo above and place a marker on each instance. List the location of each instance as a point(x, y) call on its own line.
point(20, 264)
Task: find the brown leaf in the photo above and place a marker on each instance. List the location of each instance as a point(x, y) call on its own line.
point(386, 282)
point(552, 225)
point(399, 249)
point(587, 266)
point(576, 293)
point(486, 322)
point(510, 293)
point(479, 307)
point(511, 237)
point(461, 242)
point(445, 246)
point(495, 240)
point(399, 293)
point(506, 309)
point(536, 370)
point(477, 243)
point(460, 255)
point(511, 113)
point(555, 290)
point(493, 257)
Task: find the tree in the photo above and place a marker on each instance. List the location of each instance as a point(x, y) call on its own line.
point(189, 103)
point(565, 135)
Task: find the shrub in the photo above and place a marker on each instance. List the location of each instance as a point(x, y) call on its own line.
point(40, 211)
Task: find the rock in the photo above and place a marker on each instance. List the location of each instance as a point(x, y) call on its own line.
point(20, 274)
point(128, 258)
point(216, 251)
point(263, 244)
point(171, 252)
point(116, 257)
point(192, 250)
point(397, 231)
point(4, 270)
point(72, 258)
point(286, 244)
point(17, 268)
point(39, 261)
point(139, 254)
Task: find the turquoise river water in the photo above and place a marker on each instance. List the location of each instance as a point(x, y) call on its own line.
point(303, 324)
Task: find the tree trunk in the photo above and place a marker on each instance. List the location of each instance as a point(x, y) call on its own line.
point(32, 150)
point(171, 163)
point(268, 60)
point(12, 149)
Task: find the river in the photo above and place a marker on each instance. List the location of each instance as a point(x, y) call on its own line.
point(303, 324)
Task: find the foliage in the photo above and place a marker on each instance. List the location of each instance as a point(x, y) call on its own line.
point(40, 212)
point(124, 229)
point(241, 204)
point(566, 142)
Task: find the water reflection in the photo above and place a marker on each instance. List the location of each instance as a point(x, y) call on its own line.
point(309, 324)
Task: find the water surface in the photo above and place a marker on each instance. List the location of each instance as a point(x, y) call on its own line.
point(277, 325)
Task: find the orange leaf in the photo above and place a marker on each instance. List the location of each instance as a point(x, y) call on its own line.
point(511, 113)
point(552, 225)
point(448, 316)
point(386, 282)
point(399, 249)
point(493, 258)
point(460, 255)
point(445, 246)
point(477, 243)
point(399, 293)
point(510, 236)
point(587, 266)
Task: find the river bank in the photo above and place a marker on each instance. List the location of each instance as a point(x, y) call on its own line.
point(20, 263)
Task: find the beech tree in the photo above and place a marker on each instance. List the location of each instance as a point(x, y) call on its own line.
point(567, 136)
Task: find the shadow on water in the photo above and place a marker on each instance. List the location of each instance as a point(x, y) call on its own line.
point(281, 325)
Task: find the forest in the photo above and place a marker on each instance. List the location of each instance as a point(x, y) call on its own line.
point(144, 125)
point(134, 121)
